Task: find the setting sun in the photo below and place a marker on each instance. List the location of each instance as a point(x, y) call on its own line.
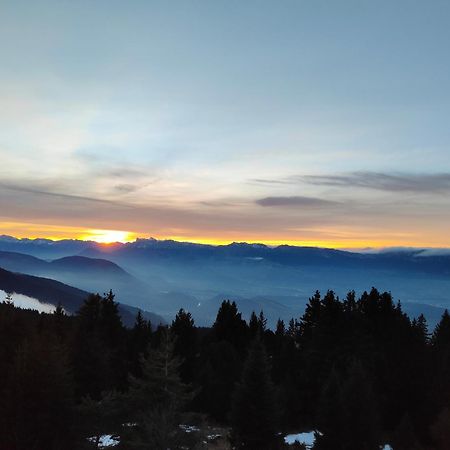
point(108, 236)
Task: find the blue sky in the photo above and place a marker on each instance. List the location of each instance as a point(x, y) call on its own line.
point(297, 121)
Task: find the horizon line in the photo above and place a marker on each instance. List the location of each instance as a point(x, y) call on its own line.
point(218, 243)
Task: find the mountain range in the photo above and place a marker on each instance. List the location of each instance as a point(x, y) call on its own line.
point(53, 292)
point(163, 276)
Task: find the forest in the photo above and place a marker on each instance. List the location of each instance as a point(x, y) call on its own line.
point(357, 371)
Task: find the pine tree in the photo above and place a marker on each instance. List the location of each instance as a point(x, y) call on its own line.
point(220, 368)
point(253, 325)
point(441, 335)
point(185, 346)
point(441, 348)
point(329, 413)
point(360, 416)
point(155, 400)
point(348, 414)
point(99, 351)
point(254, 411)
point(38, 402)
point(139, 342)
point(229, 326)
point(280, 329)
point(422, 329)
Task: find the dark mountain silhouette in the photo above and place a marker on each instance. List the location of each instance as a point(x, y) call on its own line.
point(42, 289)
point(90, 274)
point(44, 248)
point(408, 260)
point(164, 276)
point(53, 292)
point(69, 264)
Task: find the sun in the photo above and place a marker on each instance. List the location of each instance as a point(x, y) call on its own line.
point(108, 236)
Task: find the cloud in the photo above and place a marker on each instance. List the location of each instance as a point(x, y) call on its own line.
point(309, 202)
point(33, 205)
point(391, 182)
point(128, 188)
point(41, 192)
point(271, 181)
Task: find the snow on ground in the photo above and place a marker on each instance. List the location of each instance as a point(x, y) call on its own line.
point(302, 438)
point(22, 301)
point(189, 428)
point(107, 440)
point(308, 439)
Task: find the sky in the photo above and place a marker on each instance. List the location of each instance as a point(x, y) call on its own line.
point(307, 122)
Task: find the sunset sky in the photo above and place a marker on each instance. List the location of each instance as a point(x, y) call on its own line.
point(308, 121)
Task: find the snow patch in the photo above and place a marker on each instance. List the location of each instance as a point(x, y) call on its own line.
point(24, 302)
point(302, 438)
point(189, 428)
point(106, 440)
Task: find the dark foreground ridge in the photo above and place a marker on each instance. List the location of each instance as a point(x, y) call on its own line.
point(358, 371)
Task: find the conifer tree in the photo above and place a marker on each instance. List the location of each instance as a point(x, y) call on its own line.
point(441, 334)
point(99, 351)
point(254, 411)
point(185, 343)
point(348, 414)
point(229, 326)
point(155, 400)
point(253, 325)
point(280, 329)
point(359, 415)
point(38, 398)
point(329, 413)
point(440, 341)
point(139, 342)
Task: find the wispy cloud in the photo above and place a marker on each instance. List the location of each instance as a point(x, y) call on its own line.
point(297, 201)
point(392, 182)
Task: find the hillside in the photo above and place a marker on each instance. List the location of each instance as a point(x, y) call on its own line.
point(165, 276)
point(53, 292)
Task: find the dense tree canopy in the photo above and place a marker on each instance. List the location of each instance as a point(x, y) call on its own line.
point(356, 370)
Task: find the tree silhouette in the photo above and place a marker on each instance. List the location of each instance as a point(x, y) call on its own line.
point(155, 400)
point(254, 411)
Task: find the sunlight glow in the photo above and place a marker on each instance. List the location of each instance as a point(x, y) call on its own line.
point(108, 236)
point(356, 239)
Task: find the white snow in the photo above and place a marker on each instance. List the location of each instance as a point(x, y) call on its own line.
point(302, 438)
point(22, 301)
point(189, 428)
point(107, 440)
point(309, 438)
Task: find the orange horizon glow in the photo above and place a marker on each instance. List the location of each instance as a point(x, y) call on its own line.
point(108, 236)
point(103, 236)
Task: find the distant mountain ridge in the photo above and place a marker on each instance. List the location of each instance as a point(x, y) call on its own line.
point(53, 292)
point(165, 275)
point(89, 274)
point(408, 259)
point(13, 260)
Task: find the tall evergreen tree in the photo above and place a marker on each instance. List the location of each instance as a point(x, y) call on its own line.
point(254, 411)
point(348, 413)
point(440, 341)
point(38, 404)
point(185, 346)
point(229, 326)
point(138, 343)
point(155, 401)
